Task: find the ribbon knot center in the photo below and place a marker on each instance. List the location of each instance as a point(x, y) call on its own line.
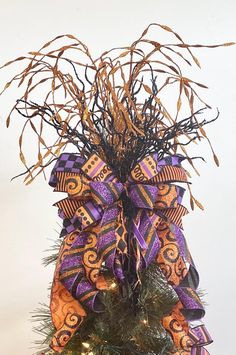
point(128, 205)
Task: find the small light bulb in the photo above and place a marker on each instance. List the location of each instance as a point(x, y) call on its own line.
point(86, 345)
point(145, 321)
point(113, 285)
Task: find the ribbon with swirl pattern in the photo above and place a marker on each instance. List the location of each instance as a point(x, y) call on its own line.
point(103, 220)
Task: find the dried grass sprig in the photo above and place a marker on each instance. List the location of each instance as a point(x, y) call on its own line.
point(113, 105)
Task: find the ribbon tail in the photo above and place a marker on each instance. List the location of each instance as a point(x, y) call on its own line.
point(185, 281)
point(138, 235)
point(80, 268)
point(66, 312)
point(186, 289)
point(110, 230)
point(144, 230)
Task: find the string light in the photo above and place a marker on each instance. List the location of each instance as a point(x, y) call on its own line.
point(113, 285)
point(86, 345)
point(144, 321)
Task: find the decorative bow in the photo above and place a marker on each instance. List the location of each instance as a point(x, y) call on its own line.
point(104, 219)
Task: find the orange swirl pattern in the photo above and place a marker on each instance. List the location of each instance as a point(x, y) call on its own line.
point(91, 260)
point(169, 258)
point(177, 326)
point(67, 313)
point(174, 268)
point(77, 187)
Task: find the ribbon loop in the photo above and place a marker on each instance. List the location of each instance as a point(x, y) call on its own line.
point(143, 196)
point(88, 214)
point(106, 193)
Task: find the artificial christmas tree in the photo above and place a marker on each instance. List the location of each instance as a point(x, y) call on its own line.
point(124, 282)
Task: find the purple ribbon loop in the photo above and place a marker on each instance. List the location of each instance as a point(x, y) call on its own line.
point(106, 193)
point(142, 195)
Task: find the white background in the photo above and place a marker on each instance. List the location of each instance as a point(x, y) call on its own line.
point(28, 219)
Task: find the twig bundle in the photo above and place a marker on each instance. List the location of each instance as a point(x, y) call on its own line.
point(113, 105)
